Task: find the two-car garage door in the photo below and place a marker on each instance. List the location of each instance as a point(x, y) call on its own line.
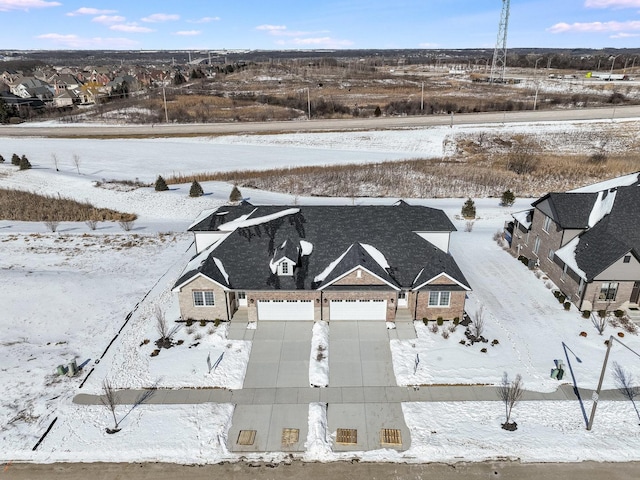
point(358, 310)
point(285, 310)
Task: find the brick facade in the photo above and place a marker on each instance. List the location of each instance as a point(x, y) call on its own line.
point(593, 291)
point(189, 311)
point(421, 309)
point(365, 278)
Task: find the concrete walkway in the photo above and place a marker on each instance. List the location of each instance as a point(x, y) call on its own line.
point(302, 395)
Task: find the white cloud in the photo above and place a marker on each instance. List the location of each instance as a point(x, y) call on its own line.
point(271, 28)
point(107, 19)
point(77, 42)
point(131, 28)
point(205, 20)
point(595, 27)
point(188, 33)
point(625, 35)
point(612, 3)
point(428, 45)
point(90, 11)
point(6, 5)
point(161, 17)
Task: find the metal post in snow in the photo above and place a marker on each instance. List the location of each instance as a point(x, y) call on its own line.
point(417, 362)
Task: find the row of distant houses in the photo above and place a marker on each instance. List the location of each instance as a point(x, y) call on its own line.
point(65, 87)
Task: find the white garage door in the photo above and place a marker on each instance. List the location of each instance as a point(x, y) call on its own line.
point(285, 310)
point(358, 310)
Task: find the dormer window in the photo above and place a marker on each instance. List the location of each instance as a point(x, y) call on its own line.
point(284, 268)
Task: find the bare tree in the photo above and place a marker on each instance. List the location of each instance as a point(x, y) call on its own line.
point(522, 158)
point(626, 385)
point(76, 162)
point(477, 323)
point(110, 399)
point(126, 224)
point(162, 327)
point(52, 225)
point(92, 223)
point(599, 320)
point(510, 392)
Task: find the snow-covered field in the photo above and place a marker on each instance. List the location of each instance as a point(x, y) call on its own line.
point(65, 295)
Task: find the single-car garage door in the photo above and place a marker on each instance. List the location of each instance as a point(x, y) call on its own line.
point(285, 310)
point(358, 310)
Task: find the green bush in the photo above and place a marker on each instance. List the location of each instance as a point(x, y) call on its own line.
point(440, 321)
point(216, 322)
point(586, 313)
point(567, 305)
point(203, 323)
point(235, 195)
point(602, 313)
point(469, 209)
point(507, 199)
point(195, 190)
point(456, 320)
point(161, 185)
point(24, 163)
point(524, 260)
point(425, 320)
point(619, 313)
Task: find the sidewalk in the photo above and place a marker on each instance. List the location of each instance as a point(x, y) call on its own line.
point(270, 396)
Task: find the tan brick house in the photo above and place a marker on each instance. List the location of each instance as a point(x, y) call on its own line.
point(587, 241)
point(330, 263)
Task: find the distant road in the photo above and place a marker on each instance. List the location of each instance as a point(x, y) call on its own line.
point(354, 124)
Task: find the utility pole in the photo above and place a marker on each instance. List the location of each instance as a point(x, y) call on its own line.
point(422, 98)
point(164, 96)
point(308, 104)
point(499, 65)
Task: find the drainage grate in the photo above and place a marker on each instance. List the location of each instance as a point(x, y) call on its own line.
point(246, 437)
point(347, 436)
point(290, 436)
point(390, 436)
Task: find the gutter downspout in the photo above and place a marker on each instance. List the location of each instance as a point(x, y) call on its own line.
point(415, 310)
point(226, 301)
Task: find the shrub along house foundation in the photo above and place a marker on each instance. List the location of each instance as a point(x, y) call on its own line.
point(332, 263)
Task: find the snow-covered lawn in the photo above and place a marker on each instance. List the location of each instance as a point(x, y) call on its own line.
point(67, 294)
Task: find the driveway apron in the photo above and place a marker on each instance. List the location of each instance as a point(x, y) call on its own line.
point(279, 355)
point(359, 354)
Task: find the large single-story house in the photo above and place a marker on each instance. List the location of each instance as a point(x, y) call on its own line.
point(322, 263)
point(587, 241)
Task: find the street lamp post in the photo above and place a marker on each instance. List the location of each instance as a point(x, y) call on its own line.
point(613, 61)
point(596, 394)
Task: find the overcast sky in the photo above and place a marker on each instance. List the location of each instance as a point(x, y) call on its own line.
point(305, 24)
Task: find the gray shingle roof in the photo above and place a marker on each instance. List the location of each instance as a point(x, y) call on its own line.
point(569, 210)
point(612, 237)
point(247, 251)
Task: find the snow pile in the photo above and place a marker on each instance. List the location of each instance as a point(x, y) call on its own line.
point(523, 218)
point(568, 255)
point(246, 221)
point(307, 247)
point(319, 361)
point(604, 204)
point(318, 444)
point(377, 255)
point(322, 275)
point(220, 266)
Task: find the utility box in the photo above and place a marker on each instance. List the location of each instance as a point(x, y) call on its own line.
point(73, 368)
point(61, 370)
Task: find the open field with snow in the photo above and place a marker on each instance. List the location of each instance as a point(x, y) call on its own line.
point(67, 295)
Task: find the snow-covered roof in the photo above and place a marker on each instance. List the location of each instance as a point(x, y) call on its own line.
point(201, 216)
point(524, 218)
point(245, 221)
point(623, 181)
point(602, 206)
point(568, 255)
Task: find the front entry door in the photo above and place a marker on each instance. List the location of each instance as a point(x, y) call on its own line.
point(635, 292)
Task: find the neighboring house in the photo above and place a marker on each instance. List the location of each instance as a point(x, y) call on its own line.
point(31, 87)
point(587, 241)
point(322, 263)
point(65, 98)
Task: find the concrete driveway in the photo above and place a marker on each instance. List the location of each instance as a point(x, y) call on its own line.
point(359, 354)
point(279, 355)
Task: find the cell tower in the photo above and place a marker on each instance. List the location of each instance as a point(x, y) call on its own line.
point(499, 64)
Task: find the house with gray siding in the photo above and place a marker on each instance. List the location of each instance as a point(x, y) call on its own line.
point(328, 263)
point(587, 241)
